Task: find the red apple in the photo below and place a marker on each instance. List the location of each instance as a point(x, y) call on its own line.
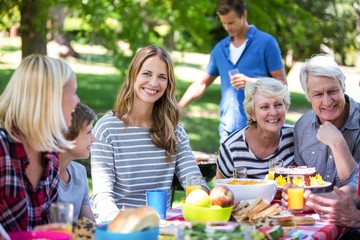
point(221, 196)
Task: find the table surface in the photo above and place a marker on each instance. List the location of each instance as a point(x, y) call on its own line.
point(319, 231)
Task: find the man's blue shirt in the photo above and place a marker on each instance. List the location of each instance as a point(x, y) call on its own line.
point(261, 56)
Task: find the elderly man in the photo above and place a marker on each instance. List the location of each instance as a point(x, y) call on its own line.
point(328, 136)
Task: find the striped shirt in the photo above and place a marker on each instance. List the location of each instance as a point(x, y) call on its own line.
point(234, 152)
point(22, 207)
point(125, 163)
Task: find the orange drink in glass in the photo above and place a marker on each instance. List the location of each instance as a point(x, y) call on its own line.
point(296, 193)
point(191, 188)
point(192, 183)
point(296, 198)
point(271, 174)
point(273, 164)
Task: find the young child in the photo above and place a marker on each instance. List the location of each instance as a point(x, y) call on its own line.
point(73, 186)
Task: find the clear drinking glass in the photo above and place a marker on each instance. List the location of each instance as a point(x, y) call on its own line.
point(273, 164)
point(192, 183)
point(296, 193)
point(233, 72)
point(240, 172)
point(62, 212)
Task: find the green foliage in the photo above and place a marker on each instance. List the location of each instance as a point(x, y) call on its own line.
point(289, 23)
point(11, 17)
point(302, 27)
point(4, 77)
point(98, 87)
point(336, 26)
point(125, 26)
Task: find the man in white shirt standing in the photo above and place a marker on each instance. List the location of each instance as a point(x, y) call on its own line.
point(253, 52)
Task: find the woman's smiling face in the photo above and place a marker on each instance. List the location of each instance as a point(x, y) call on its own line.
point(151, 81)
point(327, 97)
point(269, 112)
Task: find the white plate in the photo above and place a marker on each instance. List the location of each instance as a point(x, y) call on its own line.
point(314, 186)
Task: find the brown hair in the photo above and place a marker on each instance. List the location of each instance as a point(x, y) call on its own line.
point(225, 6)
point(81, 118)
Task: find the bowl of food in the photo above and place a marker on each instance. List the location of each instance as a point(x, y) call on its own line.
point(249, 189)
point(39, 235)
point(193, 213)
point(140, 223)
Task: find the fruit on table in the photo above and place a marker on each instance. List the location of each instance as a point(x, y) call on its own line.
point(198, 197)
point(222, 196)
point(215, 207)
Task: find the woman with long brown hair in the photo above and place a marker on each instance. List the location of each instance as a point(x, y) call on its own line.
point(140, 145)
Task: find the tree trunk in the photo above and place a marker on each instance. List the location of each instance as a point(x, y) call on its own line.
point(59, 45)
point(33, 26)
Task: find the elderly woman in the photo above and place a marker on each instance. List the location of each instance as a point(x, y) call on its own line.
point(265, 137)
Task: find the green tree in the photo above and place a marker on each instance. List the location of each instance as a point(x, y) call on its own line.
point(336, 26)
point(33, 15)
point(181, 25)
point(289, 23)
point(302, 27)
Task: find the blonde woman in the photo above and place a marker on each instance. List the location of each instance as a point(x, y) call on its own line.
point(140, 144)
point(35, 112)
point(265, 138)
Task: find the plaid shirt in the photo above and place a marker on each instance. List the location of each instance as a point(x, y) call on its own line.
point(22, 207)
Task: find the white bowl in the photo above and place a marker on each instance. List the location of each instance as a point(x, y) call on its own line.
point(265, 189)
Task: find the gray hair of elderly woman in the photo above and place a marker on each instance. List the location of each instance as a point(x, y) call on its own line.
point(268, 87)
point(320, 65)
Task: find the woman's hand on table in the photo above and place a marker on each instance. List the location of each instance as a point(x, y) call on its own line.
point(336, 207)
point(284, 197)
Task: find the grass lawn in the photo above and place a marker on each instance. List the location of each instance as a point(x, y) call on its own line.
point(99, 83)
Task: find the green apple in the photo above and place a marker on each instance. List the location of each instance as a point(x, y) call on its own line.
point(199, 198)
point(215, 207)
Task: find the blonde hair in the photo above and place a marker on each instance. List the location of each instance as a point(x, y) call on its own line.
point(165, 113)
point(268, 87)
point(31, 104)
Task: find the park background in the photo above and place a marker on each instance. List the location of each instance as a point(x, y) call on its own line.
point(99, 37)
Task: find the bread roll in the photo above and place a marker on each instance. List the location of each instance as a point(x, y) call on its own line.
point(131, 220)
point(285, 220)
point(302, 220)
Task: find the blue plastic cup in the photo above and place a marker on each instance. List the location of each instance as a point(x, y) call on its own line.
point(101, 233)
point(157, 199)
